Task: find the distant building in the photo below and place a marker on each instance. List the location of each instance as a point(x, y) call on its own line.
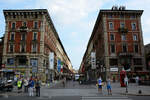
point(32, 45)
point(117, 40)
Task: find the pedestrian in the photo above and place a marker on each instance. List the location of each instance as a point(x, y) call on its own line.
point(99, 84)
point(126, 83)
point(37, 87)
point(137, 80)
point(31, 86)
point(109, 86)
point(126, 80)
point(64, 81)
point(25, 85)
point(19, 82)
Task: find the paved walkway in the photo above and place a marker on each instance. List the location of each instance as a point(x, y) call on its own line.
point(74, 89)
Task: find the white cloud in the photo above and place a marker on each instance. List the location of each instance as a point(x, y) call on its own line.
point(71, 11)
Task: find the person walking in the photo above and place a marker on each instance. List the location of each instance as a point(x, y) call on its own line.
point(137, 80)
point(19, 83)
point(37, 87)
point(126, 83)
point(31, 86)
point(25, 85)
point(100, 85)
point(64, 81)
point(109, 86)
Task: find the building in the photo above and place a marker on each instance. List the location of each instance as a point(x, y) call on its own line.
point(32, 46)
point(1, 54)
point(117, 42)
point(147, 56)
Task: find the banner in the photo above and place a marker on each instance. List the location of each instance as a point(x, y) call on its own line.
point(51, 60)
point(93, 60)
point(58, 65)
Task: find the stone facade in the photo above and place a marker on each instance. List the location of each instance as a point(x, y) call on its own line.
point(30, 37)
point(118, 41)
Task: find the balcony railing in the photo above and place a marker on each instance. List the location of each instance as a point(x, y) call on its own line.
point(123, 30)
point(23, 29)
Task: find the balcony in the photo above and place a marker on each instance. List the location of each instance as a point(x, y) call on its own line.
point(122, 30)
point(11, 41)
point(35, 29)
point(23, 29)
point(35, 41)
point(13, 30)
point(122, 54)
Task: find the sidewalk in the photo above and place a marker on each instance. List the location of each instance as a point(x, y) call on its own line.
point(133, 89)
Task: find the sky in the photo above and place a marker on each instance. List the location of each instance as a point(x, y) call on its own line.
point(74, 19)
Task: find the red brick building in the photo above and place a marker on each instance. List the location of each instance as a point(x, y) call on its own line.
point(30, 37)
point(117, 41)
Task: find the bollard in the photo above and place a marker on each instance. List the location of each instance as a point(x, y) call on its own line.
point(140, 92)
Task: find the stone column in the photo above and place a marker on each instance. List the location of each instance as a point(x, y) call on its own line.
point(142, 44)
point(106, 61)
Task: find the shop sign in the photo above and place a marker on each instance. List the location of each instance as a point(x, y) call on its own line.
point(114, 69)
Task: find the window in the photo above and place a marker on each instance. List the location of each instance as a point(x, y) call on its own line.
point(110, 16)
point(11, 48)
point(122, 24)
point(23, 37)
point(34, 62)
point(111, 25)
point(121, 16)
point(35, 25)
point(112, 37)
point(113, 62)
point(112, 48)
point(22, 48)
point(124, 48)
point(133, 25)
point(132, 17)
point(22, 61)
point(137, 61)
point(35, 36)
point(138, 69)
point(135, 37)
point(13, 26)
point(34, 47)
point(136, 48)
point(12, 36)
point(123, 37)
point(25, 24)
point(10, 61)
